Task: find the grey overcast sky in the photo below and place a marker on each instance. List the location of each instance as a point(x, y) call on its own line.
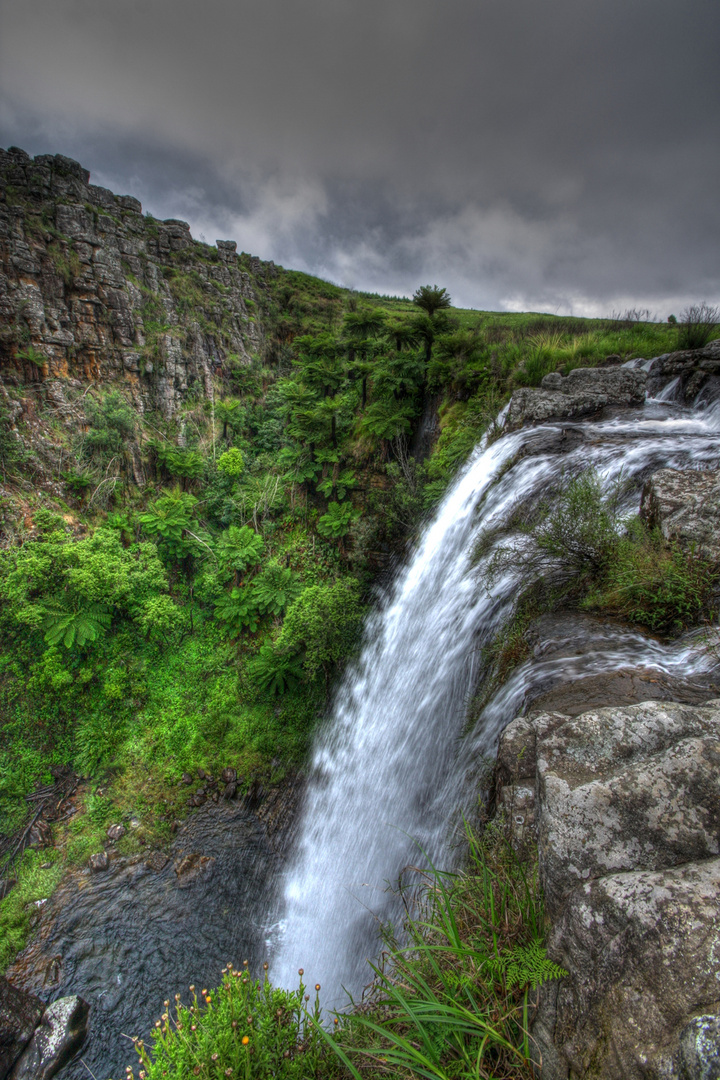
point(561, 155)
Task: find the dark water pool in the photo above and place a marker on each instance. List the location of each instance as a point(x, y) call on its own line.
point(131, 937)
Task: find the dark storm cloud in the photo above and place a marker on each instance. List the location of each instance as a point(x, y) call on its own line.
point(556, 155)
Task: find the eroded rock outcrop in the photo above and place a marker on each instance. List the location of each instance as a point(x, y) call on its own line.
point(90, 289)
point(625, 806)
point(685, 505)
point(695, 372)
point(583, 392)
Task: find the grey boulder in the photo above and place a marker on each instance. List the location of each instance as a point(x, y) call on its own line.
point(583, 392)
point(625, 806)
point(57, 1039)
point(685, 505)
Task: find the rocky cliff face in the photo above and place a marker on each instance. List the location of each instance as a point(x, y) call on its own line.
point(624, 805)
point(90, 289)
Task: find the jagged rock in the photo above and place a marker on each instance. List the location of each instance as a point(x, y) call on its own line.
point(99, 862)
point(625, 804)
point(157, 861)
point(20, 1014)
point(697, 372)
point(56, 1040)
point(685, 505)
point(230, 789)
point(115, 832)
point(187, 778)
point(77, 294)
point(228, 776)
point(581, 393)
point(699, 1052)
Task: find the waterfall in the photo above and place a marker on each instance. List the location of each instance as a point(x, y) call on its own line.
point(391, 768)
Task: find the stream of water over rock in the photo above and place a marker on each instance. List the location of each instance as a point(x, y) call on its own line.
point(392, 772)
point(393, 768)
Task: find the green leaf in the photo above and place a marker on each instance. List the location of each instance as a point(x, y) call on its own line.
point(275, 589)
point(76, 627)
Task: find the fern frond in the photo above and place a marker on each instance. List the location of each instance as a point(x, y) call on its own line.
point(76, 627)
point(525, 965)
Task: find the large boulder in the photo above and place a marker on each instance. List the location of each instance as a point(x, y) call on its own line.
point(625, 806)
point(584, 392)
point(20, 1014)
point(56, 1040)
point(685, 505)
point(695, 373)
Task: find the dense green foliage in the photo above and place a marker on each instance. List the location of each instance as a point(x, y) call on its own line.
point(187, 596)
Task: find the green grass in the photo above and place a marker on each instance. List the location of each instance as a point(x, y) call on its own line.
point(17, 909)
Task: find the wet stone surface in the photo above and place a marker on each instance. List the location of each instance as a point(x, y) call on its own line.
point(128, 938)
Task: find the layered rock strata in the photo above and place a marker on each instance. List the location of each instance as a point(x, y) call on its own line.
point(695, 374)
point(90, 289)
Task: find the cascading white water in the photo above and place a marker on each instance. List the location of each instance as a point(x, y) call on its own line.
point(390, 767)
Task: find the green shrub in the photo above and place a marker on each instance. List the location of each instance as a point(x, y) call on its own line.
point(568, 541)
point(657, 584)
point(231, 463)
point(453, 1000)
point(323, 624)
point(336, 523)
point(276, 672)
point(16, 910)
point(698, 323)
point(244, 1029)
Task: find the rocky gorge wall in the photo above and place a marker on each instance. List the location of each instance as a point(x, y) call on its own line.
point(91, 289)
point(616, 787)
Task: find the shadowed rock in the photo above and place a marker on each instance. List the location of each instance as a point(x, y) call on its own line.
point(20, 1014)
point(56, 1040)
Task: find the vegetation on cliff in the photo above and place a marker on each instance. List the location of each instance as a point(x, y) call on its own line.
point(207, 461)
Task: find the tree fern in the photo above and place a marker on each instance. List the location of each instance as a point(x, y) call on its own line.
point(238, 609)
point(274, 672)
point(76, 627)
point(275, 589)
point(239, 548)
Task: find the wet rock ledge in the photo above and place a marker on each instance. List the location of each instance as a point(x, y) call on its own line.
point(624, 806)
